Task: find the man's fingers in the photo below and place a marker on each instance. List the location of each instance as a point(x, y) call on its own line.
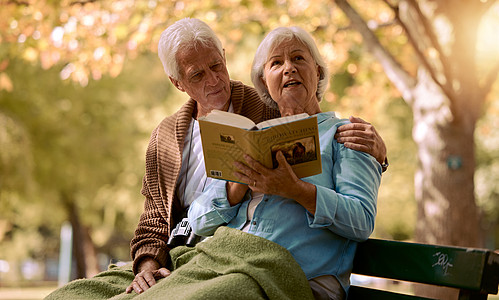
point(141, 284)
point(358, 147)
point(129, 289)
point(365, 140)
point(149, 279)
point(146, 279)
point(351, 135)
point(362, 136)
point(357, 120)
point(163, 272)
point(354, 126)
point(137, 288)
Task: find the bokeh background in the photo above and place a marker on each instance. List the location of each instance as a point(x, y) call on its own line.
point(81, 89)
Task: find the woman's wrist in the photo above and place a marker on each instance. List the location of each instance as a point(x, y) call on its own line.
point(235, 192)
point(304, 193)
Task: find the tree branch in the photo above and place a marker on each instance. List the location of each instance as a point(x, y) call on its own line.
point(446, 86)
point(393, 69)
point(434, 42)
point(82, 2)
point(489, 80)
point(375, 26)
point(16, 2)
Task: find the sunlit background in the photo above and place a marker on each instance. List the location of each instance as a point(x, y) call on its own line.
point(81, 89)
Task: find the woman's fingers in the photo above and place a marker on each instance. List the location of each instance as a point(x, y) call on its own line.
point(251, 172)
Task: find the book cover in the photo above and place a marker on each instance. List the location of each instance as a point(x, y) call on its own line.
point(226, 137)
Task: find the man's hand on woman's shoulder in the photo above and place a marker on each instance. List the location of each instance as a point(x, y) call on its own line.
point(362, 136)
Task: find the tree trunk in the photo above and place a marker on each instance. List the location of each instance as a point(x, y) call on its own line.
point(84, 252)
point(447, 213)
point(444, 183)
point(78, 237)
point(91, 260)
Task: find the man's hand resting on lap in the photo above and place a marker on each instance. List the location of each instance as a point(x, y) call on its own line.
point(149, 272)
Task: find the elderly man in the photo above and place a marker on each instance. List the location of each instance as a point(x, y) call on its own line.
point(194, 60)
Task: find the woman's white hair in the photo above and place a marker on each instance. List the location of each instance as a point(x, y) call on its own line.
point(184, 33)
point(272, 40)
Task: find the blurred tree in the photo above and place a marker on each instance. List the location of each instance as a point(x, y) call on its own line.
point(447, 93)
point(80, 150)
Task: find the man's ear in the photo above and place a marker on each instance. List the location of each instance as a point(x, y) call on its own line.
point(177, 84)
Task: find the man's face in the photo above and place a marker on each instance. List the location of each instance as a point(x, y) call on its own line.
point(203, 76)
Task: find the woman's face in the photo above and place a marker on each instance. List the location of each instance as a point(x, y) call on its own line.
point(291, 74)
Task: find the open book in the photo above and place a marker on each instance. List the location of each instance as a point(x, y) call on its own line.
point(227, 136)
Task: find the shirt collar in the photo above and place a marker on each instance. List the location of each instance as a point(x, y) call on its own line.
point(321, 117)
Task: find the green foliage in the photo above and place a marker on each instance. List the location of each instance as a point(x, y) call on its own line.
point(396, 206)
point(80, 144)
point(487, 174)
point(340, 82)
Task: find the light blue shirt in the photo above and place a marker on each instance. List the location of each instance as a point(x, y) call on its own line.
point(324, 243)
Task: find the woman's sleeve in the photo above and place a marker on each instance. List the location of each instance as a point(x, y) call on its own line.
point(211, 209)
point(349, 209)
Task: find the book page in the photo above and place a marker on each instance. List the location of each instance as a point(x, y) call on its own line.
point(228, 118)
point(281, 120)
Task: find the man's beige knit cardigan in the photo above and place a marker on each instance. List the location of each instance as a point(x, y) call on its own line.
point(162, 209)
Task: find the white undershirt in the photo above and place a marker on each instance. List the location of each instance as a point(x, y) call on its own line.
point(193, 166)
point(256, 198)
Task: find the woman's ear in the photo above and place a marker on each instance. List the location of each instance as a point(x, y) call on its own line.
point(262, 79)
point(177, 84)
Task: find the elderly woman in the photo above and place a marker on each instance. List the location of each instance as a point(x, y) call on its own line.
point(318, 219)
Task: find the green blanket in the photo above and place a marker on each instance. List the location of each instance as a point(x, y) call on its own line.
point(230, 265)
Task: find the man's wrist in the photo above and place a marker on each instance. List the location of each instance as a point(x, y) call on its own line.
point(147, 263)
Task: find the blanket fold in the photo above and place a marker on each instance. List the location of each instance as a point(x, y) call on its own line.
point(230, 265)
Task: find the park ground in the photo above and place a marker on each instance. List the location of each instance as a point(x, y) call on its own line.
point(39, 292)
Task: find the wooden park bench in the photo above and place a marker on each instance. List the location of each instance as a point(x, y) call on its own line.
point(474, 272)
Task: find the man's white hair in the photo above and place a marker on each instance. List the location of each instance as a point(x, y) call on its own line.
point(184, 33)
point(275, 37)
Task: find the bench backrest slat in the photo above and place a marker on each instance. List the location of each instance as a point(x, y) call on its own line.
point(464, 268)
